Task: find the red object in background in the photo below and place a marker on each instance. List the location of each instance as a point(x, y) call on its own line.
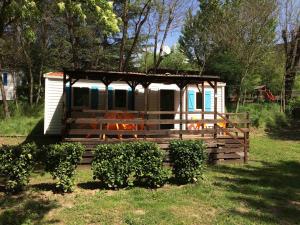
point(268, 94)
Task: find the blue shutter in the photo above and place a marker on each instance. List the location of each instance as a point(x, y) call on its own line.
point(191, 101)
point(94, 97)
point(5, 79)
point(110, 97)
point(130, 103)
point(68, 100)
point(208, 102)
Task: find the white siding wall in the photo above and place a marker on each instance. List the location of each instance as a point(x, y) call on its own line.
point(54, 92)
point(53, 106)
point(9, 88)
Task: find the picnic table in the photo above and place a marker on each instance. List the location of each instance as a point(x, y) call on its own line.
point(122, 126)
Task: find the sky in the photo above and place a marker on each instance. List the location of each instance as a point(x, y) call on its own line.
point(293, 10)
point(172, 38)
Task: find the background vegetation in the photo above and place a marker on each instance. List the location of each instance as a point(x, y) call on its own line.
point(247, 43)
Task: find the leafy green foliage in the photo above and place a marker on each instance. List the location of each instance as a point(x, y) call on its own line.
point(102, 10)
point(277, 121)
point(16, 164)
point(115, 164)
point(261, 113)
point(188, 158)
point(198, 35)
point(148, 163)
point(62, 161)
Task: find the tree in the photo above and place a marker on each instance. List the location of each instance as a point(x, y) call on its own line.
point(176, 60)
point(11, 12)
point(77, 13)
point(134, 14)
point(198, 35)
point(243, 30)
point(249, 32)
point(167, 16)
point(290, 26)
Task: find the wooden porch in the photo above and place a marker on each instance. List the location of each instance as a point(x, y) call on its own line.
point(226, 134)
point(227, 137)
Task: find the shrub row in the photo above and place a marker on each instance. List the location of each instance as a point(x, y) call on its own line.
point(16, 165)
point(118, 165)
point(61, 160)
point(188, 158)
point(115, 164)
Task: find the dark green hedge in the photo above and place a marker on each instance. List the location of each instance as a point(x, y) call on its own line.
point(148, 164)
point(120, 165)
point(16, 165)
point(113, 164)
point(188, 158)
point(62, 161)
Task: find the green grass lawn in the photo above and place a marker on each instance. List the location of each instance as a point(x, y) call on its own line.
point(24, 121)
point(265, 191)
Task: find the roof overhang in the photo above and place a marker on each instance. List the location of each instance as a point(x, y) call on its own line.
point(141, 78)
point(58, 75)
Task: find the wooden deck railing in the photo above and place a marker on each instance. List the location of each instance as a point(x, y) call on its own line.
point(95, 122)
point(141, 124)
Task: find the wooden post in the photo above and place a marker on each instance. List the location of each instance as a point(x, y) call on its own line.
point(64, 96)
point(133, 97)
point(145, 106)
point(203, 107)
point(180, 102)
point(70, 99)
point(106, 97)
point(246, 139)
point(103, 136)
point(186, 107)
point(215, 107)
point(63, 121)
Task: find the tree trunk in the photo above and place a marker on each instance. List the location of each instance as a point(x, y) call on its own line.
point(40, 85)
point(138, 27)
point(166, 31)
point(4, 101)
point(29, 66)
point(31, 84)
point(13, 74)
point(124, 34)
point(240, 91)
point(73, 41)
point(292, 52)
point(244, 97)
point(156, 35)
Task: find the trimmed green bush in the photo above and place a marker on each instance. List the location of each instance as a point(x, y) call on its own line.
point(148, 169)
point(16, 165)
point(188, 158)
point(113, 164)
point(277, 121)
point(62, 161)
point(120, 165)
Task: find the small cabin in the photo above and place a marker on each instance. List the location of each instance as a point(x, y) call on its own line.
point(90, 95)
point(96, 107)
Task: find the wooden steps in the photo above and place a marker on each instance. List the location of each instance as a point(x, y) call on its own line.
point(224, 149)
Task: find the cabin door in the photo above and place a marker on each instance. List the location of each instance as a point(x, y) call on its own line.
point(167, 104)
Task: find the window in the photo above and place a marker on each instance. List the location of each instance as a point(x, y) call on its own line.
point(198, 100)
point(4, 79)
point(120, 98)
point(81, 97)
